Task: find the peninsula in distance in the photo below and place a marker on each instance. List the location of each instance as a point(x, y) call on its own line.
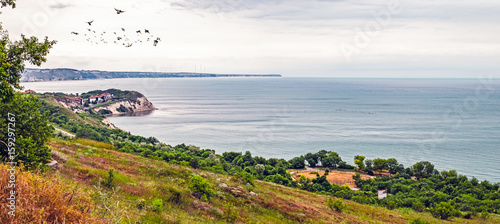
point(60, 74)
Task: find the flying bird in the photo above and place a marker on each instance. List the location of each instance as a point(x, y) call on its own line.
point(119, 11)
point(118, 38)
point(75, 33)
point(90, 23)
point(129, 45)
point(123, 29)
point(138, 31)
point(146, 31)
point(156, 42)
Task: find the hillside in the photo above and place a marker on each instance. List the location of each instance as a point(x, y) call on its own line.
point(59, 74)
point(152, 191)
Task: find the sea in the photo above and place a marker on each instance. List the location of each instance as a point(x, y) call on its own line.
point(452, 123)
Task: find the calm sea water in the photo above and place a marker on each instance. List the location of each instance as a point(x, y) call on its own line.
point(455, 124)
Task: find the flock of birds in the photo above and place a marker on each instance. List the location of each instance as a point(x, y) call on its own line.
point(118, 37)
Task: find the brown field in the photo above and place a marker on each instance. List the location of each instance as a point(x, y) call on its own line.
point(334, 177)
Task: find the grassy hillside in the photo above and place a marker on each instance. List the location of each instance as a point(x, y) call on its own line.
point(152, 191)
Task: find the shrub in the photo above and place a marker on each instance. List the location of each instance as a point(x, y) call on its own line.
point(444, 210)
point(230, 214)
point(485, 215)
point(110, 179)
point(175, 196)
point(45, 199)
point(418, 206)
point(419, 221)
point(201, 187)
point(246, 177)
point(336, 205)
point(141, 204)
point(157, 205)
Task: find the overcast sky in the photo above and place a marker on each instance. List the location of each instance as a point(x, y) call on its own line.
point(309, 38)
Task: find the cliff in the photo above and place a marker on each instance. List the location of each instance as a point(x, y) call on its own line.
point(59, 74)
point(140, 104)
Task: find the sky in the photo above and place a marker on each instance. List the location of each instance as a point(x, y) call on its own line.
point(294, 38)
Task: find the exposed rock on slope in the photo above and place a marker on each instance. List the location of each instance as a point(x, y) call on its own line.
point(140, 104)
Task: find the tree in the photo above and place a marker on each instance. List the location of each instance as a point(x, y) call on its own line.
point(369, 164)
point(13, 55)
point(444, 211)
point(359, 161)
point(311, 159)
point(393, 166)
point(423, 169)
point(297, 162)
point(32, 130)
point(379, 164)
point(31, 127)
point(332, 160)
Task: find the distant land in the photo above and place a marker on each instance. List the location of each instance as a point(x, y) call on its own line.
point(60, 74)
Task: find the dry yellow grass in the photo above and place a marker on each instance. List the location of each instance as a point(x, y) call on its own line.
point(42, 199)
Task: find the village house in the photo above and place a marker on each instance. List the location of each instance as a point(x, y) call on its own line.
point(77, 100)
point(103, 97)
point(28, 91)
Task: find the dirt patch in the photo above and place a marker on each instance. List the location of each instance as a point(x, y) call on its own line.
point(334, 177)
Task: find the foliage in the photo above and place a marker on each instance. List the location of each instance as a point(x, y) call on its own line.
point(14, 54)
point(109, 181)
point(157, 205)
point(230, 214)
point(419, 221)
point(29, 127)
point(444, 211)
point(44, 199)
point(336, 205)
point(201, 187)
point(107, 204)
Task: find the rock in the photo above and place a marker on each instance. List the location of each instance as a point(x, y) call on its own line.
point(223, 185)
point(252, 193)
point(53, 164)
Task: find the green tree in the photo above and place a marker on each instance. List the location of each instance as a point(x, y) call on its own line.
point(201, 187)
point(359, 161)
point(423, 169)
point(14, 54)
point(379, 164)
point(31, 127)
point(444, 211)
point(31, 130)
point(332, 160)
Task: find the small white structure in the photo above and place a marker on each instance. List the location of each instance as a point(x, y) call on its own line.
point(382, 194)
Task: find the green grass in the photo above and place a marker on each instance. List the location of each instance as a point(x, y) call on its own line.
point(145, 179)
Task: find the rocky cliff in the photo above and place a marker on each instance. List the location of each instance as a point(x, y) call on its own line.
point(140, 104)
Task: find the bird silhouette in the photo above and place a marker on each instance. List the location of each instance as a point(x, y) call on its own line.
point(138, 31)
point(119, 11)
point(75, 33)
point(128, 45)
point(156, 42)
point(146, 31)
point(123, 29)
point(90, 23)
point(118, 38)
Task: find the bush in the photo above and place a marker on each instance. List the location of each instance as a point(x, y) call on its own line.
point(157, 205)
point(418, 206)
point(485, 215)
point(336, 205)
point(419, 221)
point(444, 211)
point(230, 214)
point(201, 187)
point(110, 179)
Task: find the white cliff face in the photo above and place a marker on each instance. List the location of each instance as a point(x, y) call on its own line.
point(70, 104)
point(128, 106)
